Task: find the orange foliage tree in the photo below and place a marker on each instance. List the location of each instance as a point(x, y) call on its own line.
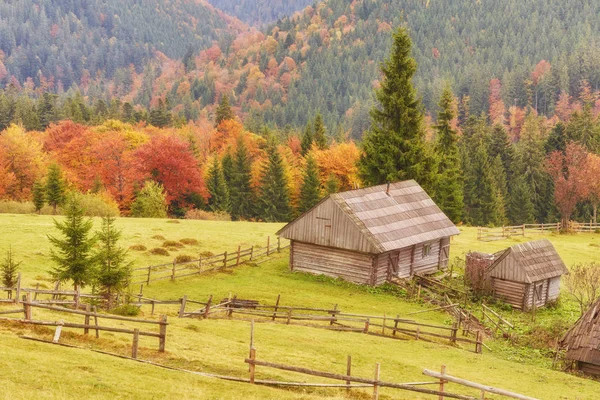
point(341, 161)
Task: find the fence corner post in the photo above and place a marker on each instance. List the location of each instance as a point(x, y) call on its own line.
point(182, 308)
point(136, 340)
point(348, 371)
point(376, 382)
point(252, 364)
point(442, 381)
point(163, 333)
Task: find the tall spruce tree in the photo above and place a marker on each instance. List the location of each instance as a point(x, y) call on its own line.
point(240, 191)
point(217, 188)
point(310, 192)
point(73, 252)
point(320, 137)
point(113, 271)
point(394, 147)
point(8, 270)
point(501, 145)
point(520, 207)
point(501, 187)
point(39, 196)
point(227, 167)
point(307, 139)
point(274, 198)
point(224, 111)
point(449, 191)
point(55, 187)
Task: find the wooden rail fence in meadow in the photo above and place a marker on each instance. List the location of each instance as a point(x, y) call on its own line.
point(490, 234)
point(376, 383)
point(87, 325)
point(201, 265)
point(333, 319)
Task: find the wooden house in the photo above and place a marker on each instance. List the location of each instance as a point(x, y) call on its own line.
point(370, 235)
point(582, 341)
point(526, 275)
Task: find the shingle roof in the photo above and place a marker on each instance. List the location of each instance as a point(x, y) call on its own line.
point(402, 217)
point(538, 259)
point(583, 339)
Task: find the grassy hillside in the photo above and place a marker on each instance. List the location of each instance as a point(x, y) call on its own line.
point(219, 346)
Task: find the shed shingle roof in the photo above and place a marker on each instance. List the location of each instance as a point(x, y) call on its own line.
point(403, 217)
point(583, 339)
point(538, 259)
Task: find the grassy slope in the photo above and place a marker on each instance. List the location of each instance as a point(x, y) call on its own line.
point(220, 346)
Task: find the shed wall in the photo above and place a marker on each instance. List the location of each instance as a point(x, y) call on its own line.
point(541, 300)
point(509, 291)
point(554, 289)
point(334, 262)
point(591, 369)
point(509, 270)
point(427, 264)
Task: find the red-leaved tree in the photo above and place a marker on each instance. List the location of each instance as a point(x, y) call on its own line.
point(169, 161)
point(568, 173)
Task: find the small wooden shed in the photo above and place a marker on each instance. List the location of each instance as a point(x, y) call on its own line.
point(527, 275)
point(582, 341)
point(370, 235)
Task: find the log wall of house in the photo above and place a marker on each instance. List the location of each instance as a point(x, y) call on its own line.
point(427, 264)
point(383, 264)
point(590, 369)
point(508, 270)
point(349, 265)
point(404, 260)
point(539, 301)
point(509, 291)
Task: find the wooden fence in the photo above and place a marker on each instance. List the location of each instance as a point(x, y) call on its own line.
point(87, 325)
point(333, 319)
point(490, 234)
point(499, 323)
point(57, 296)
point(575, 226)
point(201, 265)
point(376, 383)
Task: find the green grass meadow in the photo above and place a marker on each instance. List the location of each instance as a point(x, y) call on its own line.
point(44, 371)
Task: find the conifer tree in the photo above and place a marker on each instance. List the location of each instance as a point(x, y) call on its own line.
point(557, 139)
point(113, 271)
point(8, 270)
point(394, 147)
point(520, 207)
point(307, 139)
point(227, 166)
point(73, 252)
point(39, 196)
point(319, 137)
point(55, 187)
point(449, 191)
point(217, 188)
point(274, 198)
point(332, 185)
point(501, 187)
point(240, 191)
point(310, 192)
point(501, 145)
point(224, 111)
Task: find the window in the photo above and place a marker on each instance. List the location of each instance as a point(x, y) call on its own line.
point(426, 250)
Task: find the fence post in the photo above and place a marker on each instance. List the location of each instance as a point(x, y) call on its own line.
point(207, 308)
point(348, 371)
point(173, 272)
point(152, 312)
point(27, 307)
point(96, 322)
point(237, 261)
point(478, 343)
point(376, 383)
point(225, 260)
point(163, 333)
point(276, 307)
point(333, 314)
point(454, 331)
point(396, 324)
point(251, 252)
point(148, 280)
point(279, 244)
point(252, 365)
point(136, 340)
point(86, 330)
point(18, 289)
point(366, 330)
point(268, 245)
point(230, 305)
point(442, 381)
point(182, 308)
point(58, 331)
point(523, 230)
point(37, 287)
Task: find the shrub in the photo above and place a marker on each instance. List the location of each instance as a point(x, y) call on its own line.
point(172, 243)
point(173, 221)
point(159, 251)
point(138, 247)
point(183, 258)
point(126, 310)
point(96, 204)
point(151, 202)
point(190, 242)
point(159, 237)
point(207, 216)
point(207, 254)
point(8, 270)
point(16, 207)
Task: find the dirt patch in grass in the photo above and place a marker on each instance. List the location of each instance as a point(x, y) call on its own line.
point(190, 242)
point(207, 254)
point(138, 247)
point(159, 237)
point(172, 243)
point(159, 251)
point(173, 221)
point(182, 258)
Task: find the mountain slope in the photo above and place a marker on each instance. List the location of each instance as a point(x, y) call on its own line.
point(65, 40)
point(258, 12)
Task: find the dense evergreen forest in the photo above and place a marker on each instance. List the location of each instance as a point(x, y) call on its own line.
point(260, 12)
